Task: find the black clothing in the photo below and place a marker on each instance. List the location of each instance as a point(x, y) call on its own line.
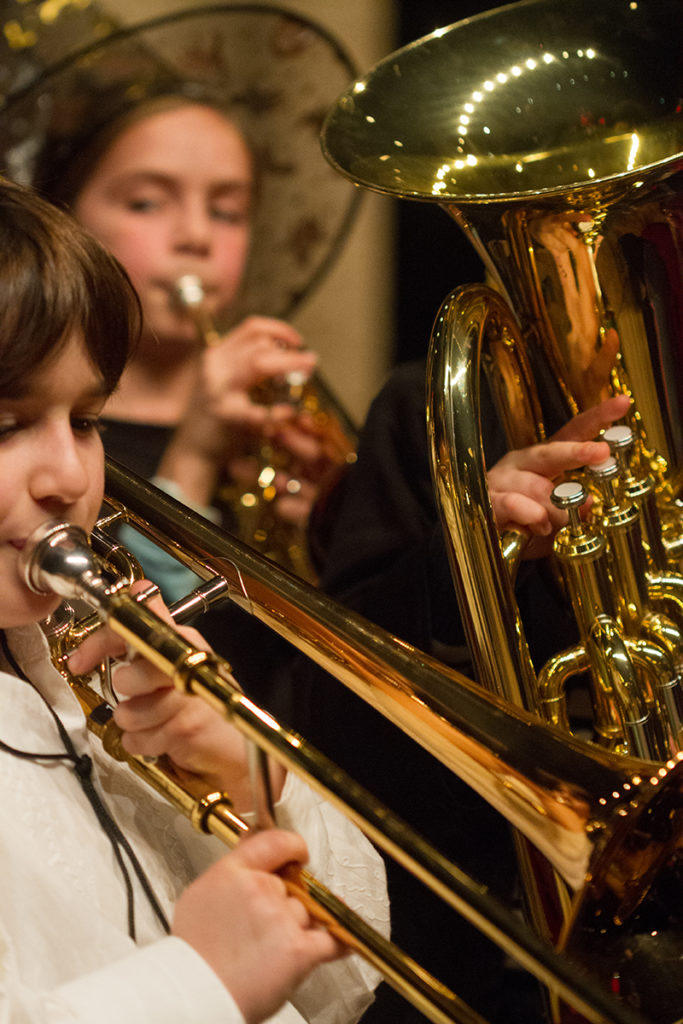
point(254, 651)
point(387, 560)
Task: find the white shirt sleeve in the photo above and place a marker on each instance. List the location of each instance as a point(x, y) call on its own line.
point(342, 859)
point(65, 953)
point(166, 982)
point(347, 863)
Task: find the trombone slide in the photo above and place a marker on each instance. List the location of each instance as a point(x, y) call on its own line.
point(580, 803)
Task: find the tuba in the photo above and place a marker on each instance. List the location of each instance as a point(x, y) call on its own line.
point(552, 133)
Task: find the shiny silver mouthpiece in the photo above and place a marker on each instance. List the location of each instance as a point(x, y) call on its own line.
point(58, 559)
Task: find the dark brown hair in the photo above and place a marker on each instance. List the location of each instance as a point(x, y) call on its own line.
point(55, 279)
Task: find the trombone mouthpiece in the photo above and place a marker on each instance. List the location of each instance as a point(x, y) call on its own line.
point(58, 559)
point(55, 552)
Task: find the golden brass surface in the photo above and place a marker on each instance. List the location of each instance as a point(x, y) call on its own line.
point(575, 802)
point(537, 127)
point(552, 133)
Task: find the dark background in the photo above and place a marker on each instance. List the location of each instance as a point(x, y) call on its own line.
point(432, 254)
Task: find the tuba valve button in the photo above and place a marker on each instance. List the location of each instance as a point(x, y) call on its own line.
point(570, 496)
point(605, 470)
point(619, 438)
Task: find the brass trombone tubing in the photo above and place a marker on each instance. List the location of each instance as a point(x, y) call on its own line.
point(195, 671)
point(521, 766)
point(212, 813)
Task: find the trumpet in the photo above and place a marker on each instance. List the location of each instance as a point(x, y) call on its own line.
point(610, 824)
point(252, 507)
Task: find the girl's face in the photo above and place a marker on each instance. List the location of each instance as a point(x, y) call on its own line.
point(172, 196)
point(51, 466)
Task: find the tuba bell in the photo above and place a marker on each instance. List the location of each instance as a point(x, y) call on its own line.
point(551, 132)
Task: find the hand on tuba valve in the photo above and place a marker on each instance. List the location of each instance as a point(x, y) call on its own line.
point(562, 166)
point(580, 806)
point(296, 439)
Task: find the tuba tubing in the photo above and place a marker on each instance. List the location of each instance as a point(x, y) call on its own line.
point(576, 803)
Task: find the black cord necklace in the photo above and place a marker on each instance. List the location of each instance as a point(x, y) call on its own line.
point(82, 764)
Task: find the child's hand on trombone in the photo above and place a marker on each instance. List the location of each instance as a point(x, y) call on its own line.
point(157, 719)
point(260, 940)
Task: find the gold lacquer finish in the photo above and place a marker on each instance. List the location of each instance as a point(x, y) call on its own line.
point(577, 803)
point(552, 133)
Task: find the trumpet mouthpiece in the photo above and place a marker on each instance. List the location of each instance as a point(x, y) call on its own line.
point(189, 290)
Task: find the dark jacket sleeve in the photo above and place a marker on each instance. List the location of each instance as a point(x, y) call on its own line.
point(387, 559)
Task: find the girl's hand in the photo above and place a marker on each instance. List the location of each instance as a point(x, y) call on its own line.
point(224, 417)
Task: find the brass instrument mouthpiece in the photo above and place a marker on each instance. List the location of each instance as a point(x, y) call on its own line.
point(189, 293)
point(58, 559)
point(53, 540)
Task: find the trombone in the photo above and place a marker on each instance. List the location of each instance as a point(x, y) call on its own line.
point(611, 825)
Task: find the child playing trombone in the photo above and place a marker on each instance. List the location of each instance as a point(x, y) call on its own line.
point(109, 909)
